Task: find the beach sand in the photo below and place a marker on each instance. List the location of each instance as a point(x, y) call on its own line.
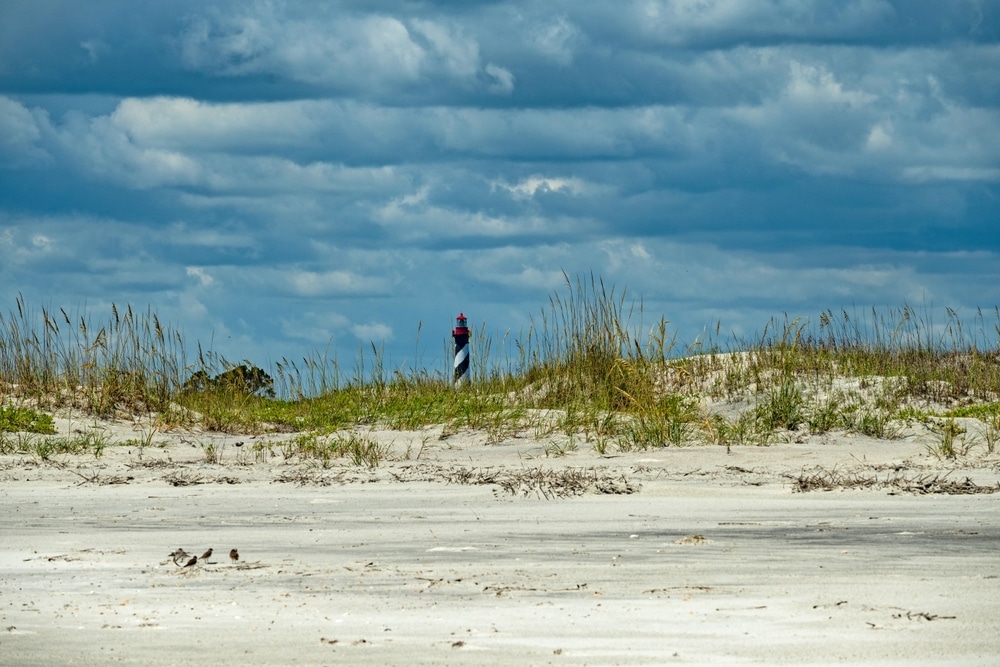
point(528, 551)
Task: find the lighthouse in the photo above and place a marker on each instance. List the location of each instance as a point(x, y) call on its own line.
point(461, 337)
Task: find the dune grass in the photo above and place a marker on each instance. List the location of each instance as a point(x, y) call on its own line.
point(586, 367)
point(131, 362)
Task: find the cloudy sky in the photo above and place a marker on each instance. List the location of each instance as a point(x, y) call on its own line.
point(274, 176)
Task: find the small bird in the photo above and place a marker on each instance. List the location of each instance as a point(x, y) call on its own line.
point(180, 554)
point(234, 555)
point(194, 559)
point(206, 555)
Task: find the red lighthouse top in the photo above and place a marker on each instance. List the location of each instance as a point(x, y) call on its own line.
point(461, 325)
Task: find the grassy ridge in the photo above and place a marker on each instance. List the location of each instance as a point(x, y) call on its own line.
point(585, 367)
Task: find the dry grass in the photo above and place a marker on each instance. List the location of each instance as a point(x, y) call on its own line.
point(829, 480)
point(585, 363)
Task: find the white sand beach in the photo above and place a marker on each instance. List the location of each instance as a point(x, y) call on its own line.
point(455, 551)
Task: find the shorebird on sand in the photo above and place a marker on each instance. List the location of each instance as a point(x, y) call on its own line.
point(234, 555)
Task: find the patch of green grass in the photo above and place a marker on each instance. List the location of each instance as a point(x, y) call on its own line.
point(782, 408)
point(827, 414)
point(911, 413)
point(670, 421)
point(749, 429)
point(45, 447)
point(14, 444)
point(982, 411)
point(873, 422)
point(991, 434)
point(14, 419)
point(951, 440)
point(555, 449)
point(359, 450)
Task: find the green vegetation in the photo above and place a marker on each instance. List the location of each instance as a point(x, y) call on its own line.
point(14, 419)
point(359, 450)
point(44, 448)
point(586, 370)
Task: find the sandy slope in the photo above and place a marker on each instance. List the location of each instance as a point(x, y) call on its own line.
point(462, 552)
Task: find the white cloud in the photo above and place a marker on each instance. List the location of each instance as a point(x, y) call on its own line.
point(331, 283)
point(683, 22)
point(362, 51)
point(203, 278)
point(413, 219)
point(556, 39)
point(815, 86)
point(166, 142)
point(621, 254)
point(532, 185)
point(189, 124)
point(27, 241)
point(263, 39)
point(459, 54)
point(21, 134)
point(372, 331)
point(94, 48)
point(185, 234)
point(501, 79)
point(101, 148)
point(883, 122)
point(385, 42)
point(823, 121)
point(880, 137)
